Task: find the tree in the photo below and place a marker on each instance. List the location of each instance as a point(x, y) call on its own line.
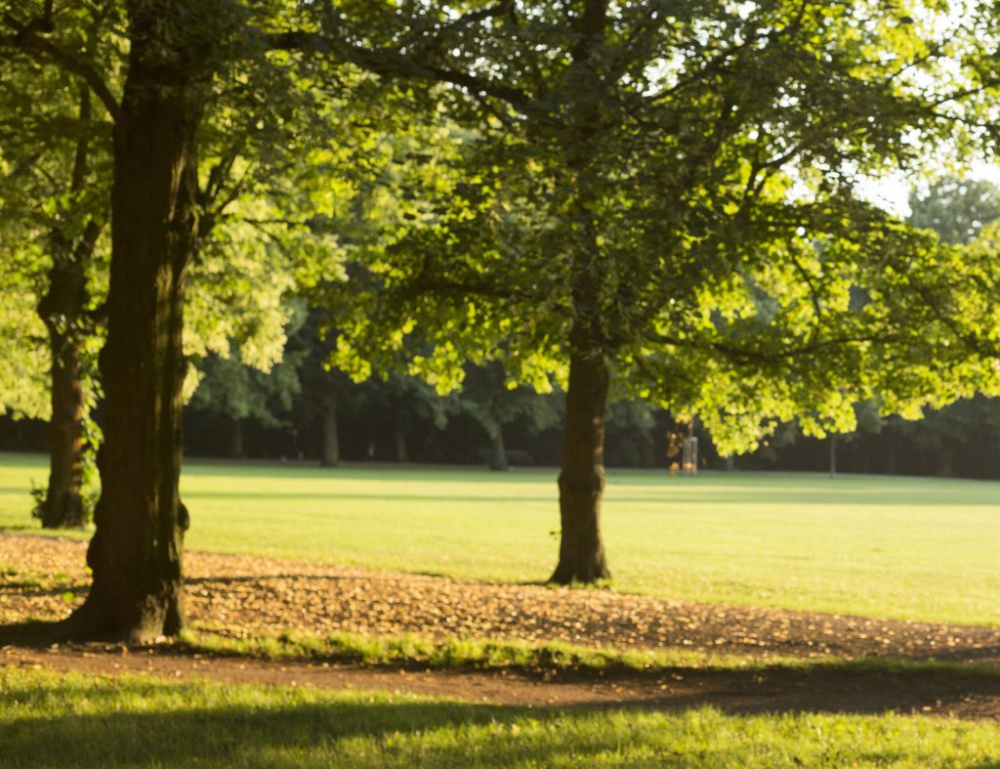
point(238, 391)
point(177, 54)
point(57, 184)
point(955, 209)
point(493, 402)
point(960, 212)
point(665, 197)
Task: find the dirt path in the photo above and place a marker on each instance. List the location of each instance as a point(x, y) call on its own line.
point(234, 595)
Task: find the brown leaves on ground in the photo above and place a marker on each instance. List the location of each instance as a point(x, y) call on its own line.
point(44, 578)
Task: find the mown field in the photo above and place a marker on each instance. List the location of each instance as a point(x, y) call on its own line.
point(906, 548)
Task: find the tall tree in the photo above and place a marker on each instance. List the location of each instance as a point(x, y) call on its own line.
point(57, 182)
point(664, 196)
point(180, 58)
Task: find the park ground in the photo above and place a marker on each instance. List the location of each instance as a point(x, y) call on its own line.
point(309, 625)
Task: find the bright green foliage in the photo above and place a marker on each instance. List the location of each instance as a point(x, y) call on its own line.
point(23, 377)
point(260, 190)
point(678, 186)
point(54, 186)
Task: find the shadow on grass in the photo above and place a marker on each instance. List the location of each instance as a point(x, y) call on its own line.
point(860, 687)
point(62, 723)
point(32, 634)
point(190, 727)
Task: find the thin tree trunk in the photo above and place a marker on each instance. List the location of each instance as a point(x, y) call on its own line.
point(498, 452)
point(581, 482)
point(331, 436)
point(833, 456)
point(402, 454)
point(63, 505)
point(238, 446)
point(60, 310)
point(136, 551)
point(945, 465)
point(399, 424)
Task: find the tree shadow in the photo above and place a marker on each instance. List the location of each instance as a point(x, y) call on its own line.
point(33, 633)
point(145, 722)
point(191, 731)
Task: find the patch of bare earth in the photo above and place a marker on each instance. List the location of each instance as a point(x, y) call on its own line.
point(43, 578)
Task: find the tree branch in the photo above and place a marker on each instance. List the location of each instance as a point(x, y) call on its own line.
point(26, 39)
point(390, 62)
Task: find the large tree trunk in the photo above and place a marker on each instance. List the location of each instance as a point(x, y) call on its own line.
point(581, 482)
point(135, 553)
point(331, 436)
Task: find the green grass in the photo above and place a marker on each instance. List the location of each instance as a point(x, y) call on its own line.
point(421, 652)
point(469, 653)
point(48, 720)
point(907, 548)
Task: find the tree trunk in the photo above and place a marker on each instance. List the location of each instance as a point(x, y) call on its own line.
point(63, 505)
point(581, 482)
point(238, 446)
point(945, 464)
point(498, 452)
point(833, 456)
point(60, 309)
point(135, 553)
point(331, 438)
point(399, 434)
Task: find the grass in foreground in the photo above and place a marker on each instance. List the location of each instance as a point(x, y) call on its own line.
point(919, 549)
point(47, 720)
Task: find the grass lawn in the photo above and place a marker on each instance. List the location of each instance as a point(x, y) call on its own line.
point(59, 721)
point(895, 547)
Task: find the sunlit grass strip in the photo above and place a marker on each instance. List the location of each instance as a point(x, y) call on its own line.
point(414, 650)
point(53, 721)
point(411, 650)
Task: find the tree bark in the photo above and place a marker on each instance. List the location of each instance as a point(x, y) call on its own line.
point(331, 437)
point(581, 481)
point(136, 551)
point(60, 310)
point(63, 505)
